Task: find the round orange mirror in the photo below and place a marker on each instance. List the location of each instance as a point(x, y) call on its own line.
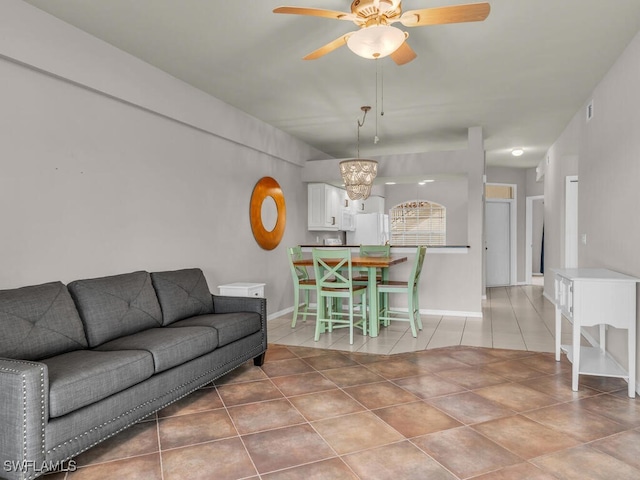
point(266, 193)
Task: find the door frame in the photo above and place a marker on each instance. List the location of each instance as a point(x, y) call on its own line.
point(528, 260)
point(570, 220)
point(513, 280)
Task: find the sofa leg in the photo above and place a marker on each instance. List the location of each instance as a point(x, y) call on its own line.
point(259, 360)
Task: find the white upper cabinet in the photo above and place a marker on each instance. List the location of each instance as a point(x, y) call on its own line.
point(324, 207)
point(331, 209)
point(373, 204)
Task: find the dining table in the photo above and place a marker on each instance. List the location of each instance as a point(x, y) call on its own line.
point(371, 263)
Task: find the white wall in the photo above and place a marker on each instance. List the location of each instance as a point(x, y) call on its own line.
point(110, 165)
point(605, 154)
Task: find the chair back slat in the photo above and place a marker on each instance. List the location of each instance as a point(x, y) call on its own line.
point(298, 273)
point(375, 250)
point(332, 268)
point(414, 278)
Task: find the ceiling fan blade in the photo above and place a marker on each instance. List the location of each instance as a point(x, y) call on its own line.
point(328, 48)
point(404, 54)
point(473, 12)
point(316, 12)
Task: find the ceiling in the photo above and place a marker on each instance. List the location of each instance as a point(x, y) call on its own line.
point(522, 74)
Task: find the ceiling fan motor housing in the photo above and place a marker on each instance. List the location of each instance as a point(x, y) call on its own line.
point(367, 8)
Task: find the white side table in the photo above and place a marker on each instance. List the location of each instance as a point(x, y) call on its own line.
point(242, 289)
point(596, 297)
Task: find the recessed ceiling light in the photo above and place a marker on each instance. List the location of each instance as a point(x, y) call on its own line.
point(516, 152)
point(429, 180)
point(390, 183)
point(421, 183)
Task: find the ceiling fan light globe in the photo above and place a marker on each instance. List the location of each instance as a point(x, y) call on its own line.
point(376, 41)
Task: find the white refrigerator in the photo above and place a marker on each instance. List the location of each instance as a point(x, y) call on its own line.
point(371, 229)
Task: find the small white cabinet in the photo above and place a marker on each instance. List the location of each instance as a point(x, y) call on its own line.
point(596, 297)
point(242, 289)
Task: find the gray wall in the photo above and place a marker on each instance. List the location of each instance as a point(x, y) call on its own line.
point(604, 153)
point(452, 194)
point(110, 165)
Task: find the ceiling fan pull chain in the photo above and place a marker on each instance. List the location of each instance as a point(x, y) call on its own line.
point(382, 91)
point(375, 138)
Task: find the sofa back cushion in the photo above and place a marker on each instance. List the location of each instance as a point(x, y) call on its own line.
point(38, 322)
point(182, 294)
point(112, 307)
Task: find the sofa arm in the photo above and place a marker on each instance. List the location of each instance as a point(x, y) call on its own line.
point(225, 304)
point(24, 394)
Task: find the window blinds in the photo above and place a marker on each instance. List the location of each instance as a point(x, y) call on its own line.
point(418, 222)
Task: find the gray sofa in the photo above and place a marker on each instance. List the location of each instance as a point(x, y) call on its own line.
point(79, 363)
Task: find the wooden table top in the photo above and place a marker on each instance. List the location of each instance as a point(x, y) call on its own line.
point(360, 261)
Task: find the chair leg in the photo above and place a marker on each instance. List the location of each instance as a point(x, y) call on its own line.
point(364, 315)
point(296, 304)
point(306, 306)
point(350, 320)
point(410, 307)
point(416, 297)
point(319, 317)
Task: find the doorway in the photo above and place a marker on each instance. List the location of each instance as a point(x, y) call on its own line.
point(498, 242)
point(534, 231)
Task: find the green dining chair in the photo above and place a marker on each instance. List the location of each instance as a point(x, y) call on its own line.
point(372, 251)
point(410, 288)
point(301, 283)
point(334, 283)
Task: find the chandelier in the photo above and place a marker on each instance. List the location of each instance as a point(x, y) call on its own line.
point(358, 174)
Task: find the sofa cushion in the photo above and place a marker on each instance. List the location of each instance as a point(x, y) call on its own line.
point(80, 378)
point(169, 347)
point(230, 326)
point(39, 321)
point(115, 306)
point(182, 294)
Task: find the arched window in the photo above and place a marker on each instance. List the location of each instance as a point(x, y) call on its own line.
point(418, 222)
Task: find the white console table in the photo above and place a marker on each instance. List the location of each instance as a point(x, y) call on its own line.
point(596, 296)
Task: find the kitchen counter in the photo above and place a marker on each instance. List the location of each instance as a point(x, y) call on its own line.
point(400, 248)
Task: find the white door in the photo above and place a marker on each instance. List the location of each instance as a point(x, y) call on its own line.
point(498, 238)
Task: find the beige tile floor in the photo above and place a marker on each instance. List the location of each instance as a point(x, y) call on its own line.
point(517, 318)
point(456, 412)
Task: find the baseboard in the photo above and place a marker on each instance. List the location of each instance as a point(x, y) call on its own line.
point(279, 314)
point(545, 295)
point(451, 313)
point(443, 313)
point(438, 313)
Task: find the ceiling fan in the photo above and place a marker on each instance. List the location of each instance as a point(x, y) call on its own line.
point(377, 37)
